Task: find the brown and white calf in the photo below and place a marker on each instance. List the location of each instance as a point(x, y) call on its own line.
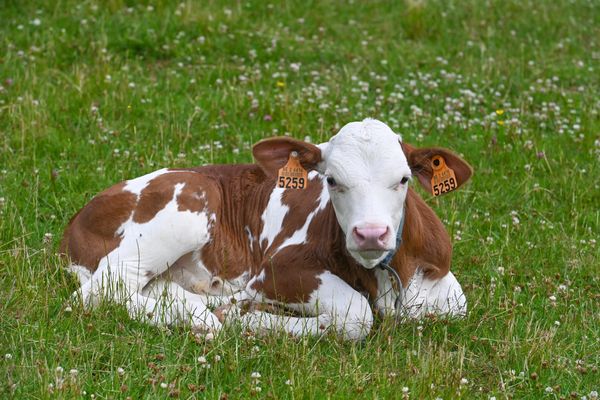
point(173, 243)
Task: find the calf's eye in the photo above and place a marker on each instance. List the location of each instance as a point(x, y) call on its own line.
point(331, 182)
point(404, 180)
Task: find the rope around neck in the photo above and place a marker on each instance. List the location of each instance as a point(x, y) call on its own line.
point(385, 263)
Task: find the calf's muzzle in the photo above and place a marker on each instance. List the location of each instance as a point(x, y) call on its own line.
point(371, 237)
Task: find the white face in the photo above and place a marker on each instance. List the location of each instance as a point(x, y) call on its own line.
point(367, 176)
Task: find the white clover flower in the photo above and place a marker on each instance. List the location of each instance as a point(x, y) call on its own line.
point(464, 381)
point(548, 389)
point(8, 356)
point(405, 389)
point(59, 370)
point(120, 371)
point(288, 382)
point(202, 360)
point(255, 375)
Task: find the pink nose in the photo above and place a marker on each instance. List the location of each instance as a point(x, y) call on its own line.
point(371, 237)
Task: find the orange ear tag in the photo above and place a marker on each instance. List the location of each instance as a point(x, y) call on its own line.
point(292, 175)
point(443, 179)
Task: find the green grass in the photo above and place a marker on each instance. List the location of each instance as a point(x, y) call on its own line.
point(93, 92)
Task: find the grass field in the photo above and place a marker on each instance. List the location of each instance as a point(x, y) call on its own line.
point(94, 92)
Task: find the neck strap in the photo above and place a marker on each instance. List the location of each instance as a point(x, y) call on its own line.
point(385, 263)
point(388, 259)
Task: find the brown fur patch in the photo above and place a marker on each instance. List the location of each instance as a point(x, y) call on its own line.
point(425, 242)
point(300, 203)
point(237, 195)
point(152, 199)
point(161, 189)
point(92, 232)
point(290, 276)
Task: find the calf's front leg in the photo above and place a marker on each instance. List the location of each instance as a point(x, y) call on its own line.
point(332, 306)
point(442, 296)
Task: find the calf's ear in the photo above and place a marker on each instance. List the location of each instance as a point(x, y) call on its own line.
point(420, 162)
point(273, 153)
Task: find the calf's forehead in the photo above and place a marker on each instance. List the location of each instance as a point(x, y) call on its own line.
point(366, 148)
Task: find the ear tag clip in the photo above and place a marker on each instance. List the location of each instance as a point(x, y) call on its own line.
point(443, 179)
point(292, 175)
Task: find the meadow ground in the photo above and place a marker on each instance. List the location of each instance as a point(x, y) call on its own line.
point(94, 92)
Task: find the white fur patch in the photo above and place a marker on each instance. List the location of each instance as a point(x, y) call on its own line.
point(300, 236)
point(137, 185)
point(272, 218)
point(386, 295)
point(155, 245)
point(424, 296)
point(82, 273)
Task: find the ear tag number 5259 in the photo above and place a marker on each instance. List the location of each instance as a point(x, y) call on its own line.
point(292, 175)
point(443, 179)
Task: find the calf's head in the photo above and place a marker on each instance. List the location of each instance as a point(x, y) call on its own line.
point(367, 169)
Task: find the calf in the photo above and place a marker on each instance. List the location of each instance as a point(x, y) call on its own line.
point(175, 243)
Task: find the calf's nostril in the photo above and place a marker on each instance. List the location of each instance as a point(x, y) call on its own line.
point(358, 235)
point(385, 234)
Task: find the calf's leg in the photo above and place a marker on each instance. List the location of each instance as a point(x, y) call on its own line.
point(442, 296)
point(332, 306)
point(157, 307)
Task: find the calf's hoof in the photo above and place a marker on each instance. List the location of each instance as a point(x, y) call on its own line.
point(223, 311)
